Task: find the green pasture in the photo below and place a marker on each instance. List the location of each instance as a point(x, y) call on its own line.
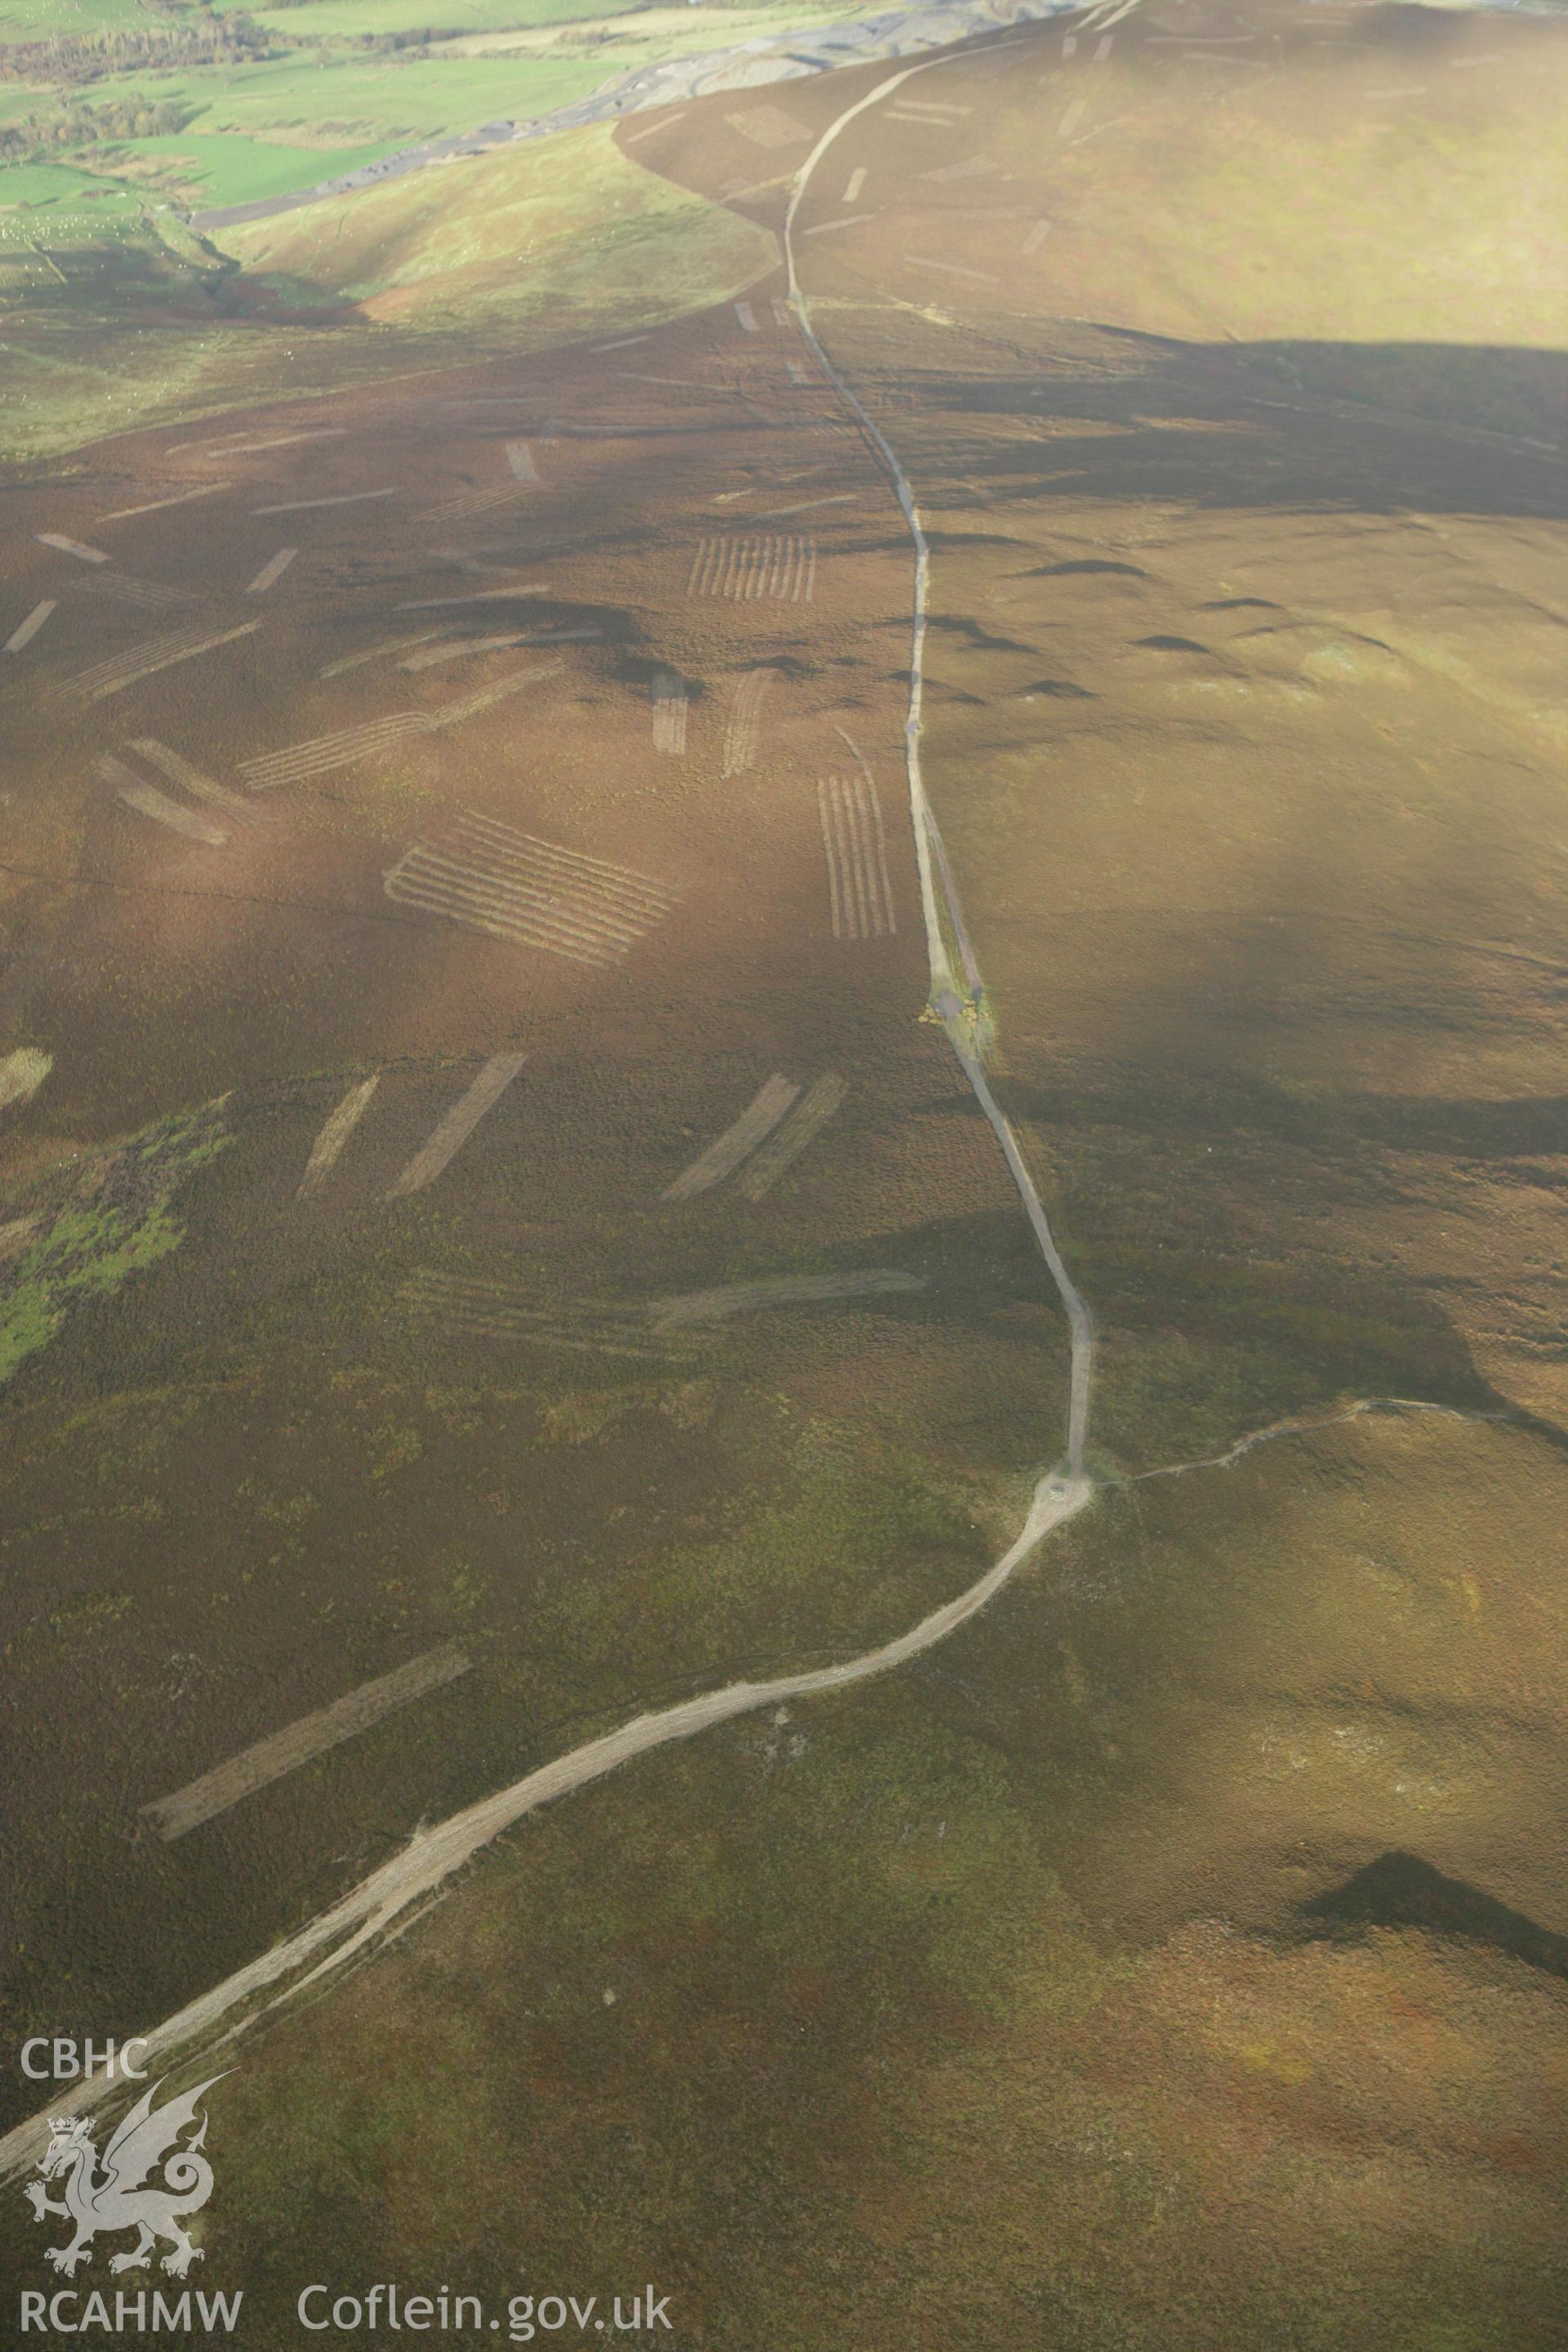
point(286, 123)
point(26, 187)
point(269, 130)
point(406, 95)
point(16, 98)
point(39, 20)
point(224, 168)
point(348, 18)
point(322, 107)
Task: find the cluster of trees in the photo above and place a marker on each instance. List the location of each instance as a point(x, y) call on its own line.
point(387, 44)
point(69, 60)
point(76, 126)
point(418, 36)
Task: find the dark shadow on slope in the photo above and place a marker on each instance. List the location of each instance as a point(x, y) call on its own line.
point(1196, 1104)
point(1325, 1329)
point(1400, 1890)
point(976, 634)
point(1322, 426)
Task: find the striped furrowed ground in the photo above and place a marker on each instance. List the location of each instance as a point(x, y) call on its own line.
point(669, 709)
point(492, 878)
point(855, 849)
point(750, 565)
point(784, 1145)
point(727, 1151)
point(112, 676)
point(324, 754)
point(270, 1760)
point(483, 1307)
point(781, 1290)
point(743, 737)
point(146, 595)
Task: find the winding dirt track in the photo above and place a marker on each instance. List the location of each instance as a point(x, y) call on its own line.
point(385, 1903)
point(958, 1009)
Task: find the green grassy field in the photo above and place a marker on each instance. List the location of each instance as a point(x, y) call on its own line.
point(284, 125)
point(350, 18)
point(41, 20)
point(321, 103)
point(189, 168)
point(38, 20)
point(30, 187)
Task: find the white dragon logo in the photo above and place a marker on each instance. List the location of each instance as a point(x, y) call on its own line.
point(117, 2199)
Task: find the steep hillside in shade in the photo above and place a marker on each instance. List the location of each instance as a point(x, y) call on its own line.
point(120, 318)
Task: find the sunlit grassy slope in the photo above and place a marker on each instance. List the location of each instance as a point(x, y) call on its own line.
point(1407, 187)
point(1199, 215)
point(1246, 721)
point(119, 316)
point(570, 228)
